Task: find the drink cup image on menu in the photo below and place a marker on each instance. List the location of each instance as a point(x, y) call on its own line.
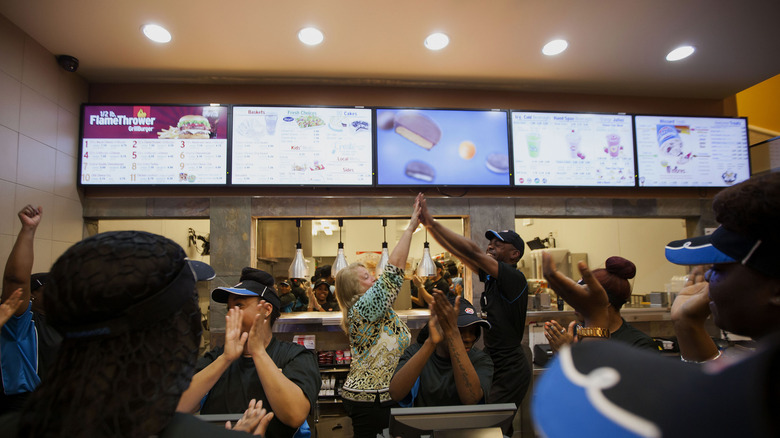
point(270, 123)
point(670, 144)
point(533, 139)
point(613, 145)
point(573, 139)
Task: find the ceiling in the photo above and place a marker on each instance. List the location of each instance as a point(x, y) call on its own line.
point(616, 47)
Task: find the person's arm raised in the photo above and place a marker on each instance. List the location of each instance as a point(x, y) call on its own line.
point(204, 380)
point(466, 379)
point(689, 312)
point(401, 251)
point(591, 302)
point(464, 249)
point(18, 268)
point(404, 378)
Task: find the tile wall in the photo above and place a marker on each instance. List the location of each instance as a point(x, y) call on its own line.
point(39, 115)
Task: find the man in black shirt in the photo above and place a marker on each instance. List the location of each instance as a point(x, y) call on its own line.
point(253, 364)
point(505, 301)
point(422, 292)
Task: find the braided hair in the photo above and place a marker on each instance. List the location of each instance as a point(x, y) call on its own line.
point(124, 384)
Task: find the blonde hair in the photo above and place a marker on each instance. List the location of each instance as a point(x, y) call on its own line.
point(347, 291)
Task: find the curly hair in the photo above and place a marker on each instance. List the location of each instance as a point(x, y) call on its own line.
point(129, 383)
point(751, 208)
point(348, 291)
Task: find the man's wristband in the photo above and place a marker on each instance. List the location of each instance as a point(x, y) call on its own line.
point(592, 332)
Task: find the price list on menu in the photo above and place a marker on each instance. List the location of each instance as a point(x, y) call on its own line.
point(302, 146)
point(572, 149)
point(691, 151)
point(146, 145)
point(112, 161)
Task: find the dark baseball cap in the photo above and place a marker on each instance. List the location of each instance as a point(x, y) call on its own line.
point(725, 246)
point(320, 282)
point(254, 283)
point(467, 316)
point(507, 236)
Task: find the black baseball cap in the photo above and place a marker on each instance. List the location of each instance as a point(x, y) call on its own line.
point(254, 283)
point(725, 246)
point(507, 236)
point(467, 316)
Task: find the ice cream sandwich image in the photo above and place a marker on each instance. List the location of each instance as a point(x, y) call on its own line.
point(497, 163)
point(420, 170)
point(417, 128)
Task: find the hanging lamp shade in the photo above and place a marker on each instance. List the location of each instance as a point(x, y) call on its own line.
point(426, 268)
point(341, 260)
point(298, 268)
point(385, 253)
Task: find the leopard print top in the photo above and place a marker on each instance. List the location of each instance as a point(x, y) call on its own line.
point(378, 337)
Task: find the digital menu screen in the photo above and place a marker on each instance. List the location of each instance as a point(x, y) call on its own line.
point(302, 146)
point(153, 144)
point(572, 149)
point(691, 151)
point(442, 147)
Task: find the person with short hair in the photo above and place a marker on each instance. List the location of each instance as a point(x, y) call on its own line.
point(286, 297)
point(126, 305)
point(608, 389)
point(422, 291)
point(504, 300)
point(444, 367)
point(253, 364)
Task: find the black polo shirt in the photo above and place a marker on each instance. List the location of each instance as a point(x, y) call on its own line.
point(240, 383)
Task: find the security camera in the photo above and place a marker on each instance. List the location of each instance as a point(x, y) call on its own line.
point(68, 62)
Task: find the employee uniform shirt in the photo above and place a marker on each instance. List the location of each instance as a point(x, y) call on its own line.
point(240, 383)
point(633, 336)
point(436, 384)
point(378, 337)
point(28, 348)
point(505, 300)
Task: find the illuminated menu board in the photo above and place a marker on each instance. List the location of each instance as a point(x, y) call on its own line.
point(437, 147)
point(691, 151)
point(572, 149)
point(150, 145)
point(302, 146)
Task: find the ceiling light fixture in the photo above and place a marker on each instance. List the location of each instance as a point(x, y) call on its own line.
point(310, 36)
point(156, 33)
point(341, 260)
point(426, 268)
point(298, 268)
point(555, 47)
point(679, 53)
point(385, 254)
point(437, 41)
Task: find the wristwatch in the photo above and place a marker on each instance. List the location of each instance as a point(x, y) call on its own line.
point(592, 332)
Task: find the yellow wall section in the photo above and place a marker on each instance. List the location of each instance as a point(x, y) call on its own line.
point(761, 104)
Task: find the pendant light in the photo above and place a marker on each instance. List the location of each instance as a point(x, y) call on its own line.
point(341, 261)
point(426, 268)
point(298, 268)
point(385, 253)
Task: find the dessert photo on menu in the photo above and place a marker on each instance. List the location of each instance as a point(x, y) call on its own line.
point(442, 147)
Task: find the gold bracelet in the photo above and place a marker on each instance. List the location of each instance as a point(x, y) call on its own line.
point(592, 332)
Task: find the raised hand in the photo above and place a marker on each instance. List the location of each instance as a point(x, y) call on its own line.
point(260, 331)
point(589, 299)
point(557, 336)
point(30, 216)
point(9, 306)
point(234, 339)
point(692, 302)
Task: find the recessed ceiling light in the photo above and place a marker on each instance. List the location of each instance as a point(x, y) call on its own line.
point(437, 41)
point(156, 33)
point(679, 53)
point(555, 47)
point(310, 36)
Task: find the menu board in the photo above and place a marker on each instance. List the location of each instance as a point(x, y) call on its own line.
point(149, 145)
point(691, 151)
point(442, 147)
point(302, 146)
point(572, 149)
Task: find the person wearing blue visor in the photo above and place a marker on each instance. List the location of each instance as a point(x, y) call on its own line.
point(607, 389)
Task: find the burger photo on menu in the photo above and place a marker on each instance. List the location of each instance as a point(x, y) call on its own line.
point(194, 126)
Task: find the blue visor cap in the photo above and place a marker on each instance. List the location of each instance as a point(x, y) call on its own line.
point(724, 246)
point(247, 288)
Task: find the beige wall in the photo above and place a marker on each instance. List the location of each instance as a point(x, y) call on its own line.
point(640, 240)
point(39, 116)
